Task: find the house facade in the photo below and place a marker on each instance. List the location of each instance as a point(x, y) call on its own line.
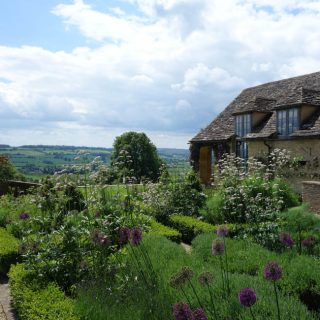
point(283, 114)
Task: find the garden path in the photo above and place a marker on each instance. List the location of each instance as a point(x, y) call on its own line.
point(186, 247)
point(6, 311)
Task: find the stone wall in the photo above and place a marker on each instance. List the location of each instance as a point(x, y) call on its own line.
point(311, 194)
point(16, 187)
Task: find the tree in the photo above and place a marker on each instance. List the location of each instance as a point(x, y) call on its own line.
point(7, 169)
point(134, 155)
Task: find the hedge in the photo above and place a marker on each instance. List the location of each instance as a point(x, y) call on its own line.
point(35, 301)
point(301, 275)
point(191, 227)
point(161, 230)
point(8, 250)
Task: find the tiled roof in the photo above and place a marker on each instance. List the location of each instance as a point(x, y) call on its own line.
point(266, 98)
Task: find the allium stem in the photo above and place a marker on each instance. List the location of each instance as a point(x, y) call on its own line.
point(277, 300)
point(186, 296)
point(212, 302)
point(195, 293)
point(226, 271)
point(222, 274)
point(139, 266)
point(252, 315)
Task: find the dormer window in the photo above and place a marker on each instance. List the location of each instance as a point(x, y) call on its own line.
point(243, 124)
point(288, 121)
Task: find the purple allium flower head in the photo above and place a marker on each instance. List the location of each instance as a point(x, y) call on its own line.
point(286, 239)
point(309, 242)
point(181, 311)
point(124, 235)
point(199, 314)
point(136, 236)
point(104, 241)
point(247, 297)
point(272, 271)
point(181, 277)
point(217, 247)
point(24, 216)
point(205, 278)
point(222, 231)
point(95, 236)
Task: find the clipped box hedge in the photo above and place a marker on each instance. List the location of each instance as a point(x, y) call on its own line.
point(34, 301)
point(9, 246)
point(191, 227)
point(162, 230)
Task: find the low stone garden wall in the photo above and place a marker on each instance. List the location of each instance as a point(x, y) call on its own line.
point(311, 194)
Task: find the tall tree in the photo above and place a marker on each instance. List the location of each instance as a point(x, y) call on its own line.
point(135, 155)
point(8, 170)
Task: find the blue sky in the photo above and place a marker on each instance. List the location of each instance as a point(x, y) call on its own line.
point(81, 72)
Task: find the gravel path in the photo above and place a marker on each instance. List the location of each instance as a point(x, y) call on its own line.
point(6, 312)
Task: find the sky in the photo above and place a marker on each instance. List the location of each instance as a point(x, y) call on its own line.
point(81, 72)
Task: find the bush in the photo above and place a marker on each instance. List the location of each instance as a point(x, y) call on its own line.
point(162, 230)
point(212, 212)
point(190, 227)
point(8, 250)
point(171, 196)
point(35, 301)
point(301, 273)
point(167, 258)
point(243, 255)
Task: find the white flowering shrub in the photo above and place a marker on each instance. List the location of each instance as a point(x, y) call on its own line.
point(252, 191)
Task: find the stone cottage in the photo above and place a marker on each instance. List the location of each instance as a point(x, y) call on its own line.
point(283, 114)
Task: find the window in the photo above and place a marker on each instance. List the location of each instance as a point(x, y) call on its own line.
point(242, 150)
point(287, 121)
point(243, 124)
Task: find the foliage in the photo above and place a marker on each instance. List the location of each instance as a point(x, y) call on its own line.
point(8, 170)
point(172, 196)
point(136, 156)
point(300, 220)
point(162, 230)
point(249, 193)
point(301, 272)
point(123, 298)
point(191, 227)
point(8, 250)
point(36, 301)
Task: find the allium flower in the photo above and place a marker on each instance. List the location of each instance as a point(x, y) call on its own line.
point(104, 240)
point(181, 311)
point(95, 236)
point(180, 278)
point(272, 271)
point(286, 239)
point(199, 314)
point(222, 231)
point(205, 278)
point(217, 247)
point(309, 242)
point(24, 216)
point(124, 235)
point(136, 236)
point(247, 297)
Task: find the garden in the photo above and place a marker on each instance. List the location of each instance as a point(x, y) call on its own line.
point(250, 249)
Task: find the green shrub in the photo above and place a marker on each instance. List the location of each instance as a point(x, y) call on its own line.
point(167, 258)
point(8, 250)
point(172, 196)
point(162, 230)
point(35, 301)
point(190, 227)
point(301, 273)
point(243, 256)
point(212, 212)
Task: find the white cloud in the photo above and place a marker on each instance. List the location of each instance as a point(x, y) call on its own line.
point(170, 67)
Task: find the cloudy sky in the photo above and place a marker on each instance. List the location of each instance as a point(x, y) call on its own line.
point(81, 72)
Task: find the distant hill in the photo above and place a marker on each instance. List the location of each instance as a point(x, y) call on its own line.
point(36, 161)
